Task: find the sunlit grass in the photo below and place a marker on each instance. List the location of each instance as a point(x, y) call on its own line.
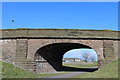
point(81, 64)
point(0, 70)
point(109, 71)
point(9, 71)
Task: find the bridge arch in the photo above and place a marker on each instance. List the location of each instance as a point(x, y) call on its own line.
point(49, 57)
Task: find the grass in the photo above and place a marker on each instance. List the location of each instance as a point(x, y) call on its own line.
point(79, 65)
point(109, 71)
point(0, 70)
point(9, 71)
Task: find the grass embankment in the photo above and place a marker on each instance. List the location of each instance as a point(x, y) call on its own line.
point(81, 64)
point(0, 70)
point(9, 71)
point(109, 71)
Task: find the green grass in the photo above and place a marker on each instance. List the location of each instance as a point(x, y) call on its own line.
point(94, 64)
point(0, 70)
point(109, 71)
point(9, 71)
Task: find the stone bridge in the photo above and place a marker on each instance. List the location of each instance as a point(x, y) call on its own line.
point(42, 50)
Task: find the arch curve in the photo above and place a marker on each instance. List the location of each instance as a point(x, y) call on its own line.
point(53, 53)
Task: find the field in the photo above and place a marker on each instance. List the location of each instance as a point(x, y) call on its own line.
point(81, 64)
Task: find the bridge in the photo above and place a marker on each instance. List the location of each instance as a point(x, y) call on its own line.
point(42, 50)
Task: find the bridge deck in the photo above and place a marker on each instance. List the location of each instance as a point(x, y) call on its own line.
point(59, 33)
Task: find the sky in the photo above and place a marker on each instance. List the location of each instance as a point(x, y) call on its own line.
point(60, 15)
point(60, 0)
point(78, 53)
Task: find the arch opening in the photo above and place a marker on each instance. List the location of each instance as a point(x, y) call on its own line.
point(82, 59)
point(49, 57)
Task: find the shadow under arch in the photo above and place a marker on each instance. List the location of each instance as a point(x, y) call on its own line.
point(53, 54)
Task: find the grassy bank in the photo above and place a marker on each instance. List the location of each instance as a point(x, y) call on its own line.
point(9, 71)
point(109, 71)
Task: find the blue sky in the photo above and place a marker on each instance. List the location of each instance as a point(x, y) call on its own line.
point(77, 53)
point(60, 0)
point(65, 15)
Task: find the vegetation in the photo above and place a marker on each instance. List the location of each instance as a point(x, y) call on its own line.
point(9, 71)
point(86, 56)
point(0, 70)
point(22, 28)
point(109, 71)
point(81, 64)
point(107, 30)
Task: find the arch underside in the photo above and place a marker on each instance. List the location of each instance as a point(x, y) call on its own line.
point(53, 54)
